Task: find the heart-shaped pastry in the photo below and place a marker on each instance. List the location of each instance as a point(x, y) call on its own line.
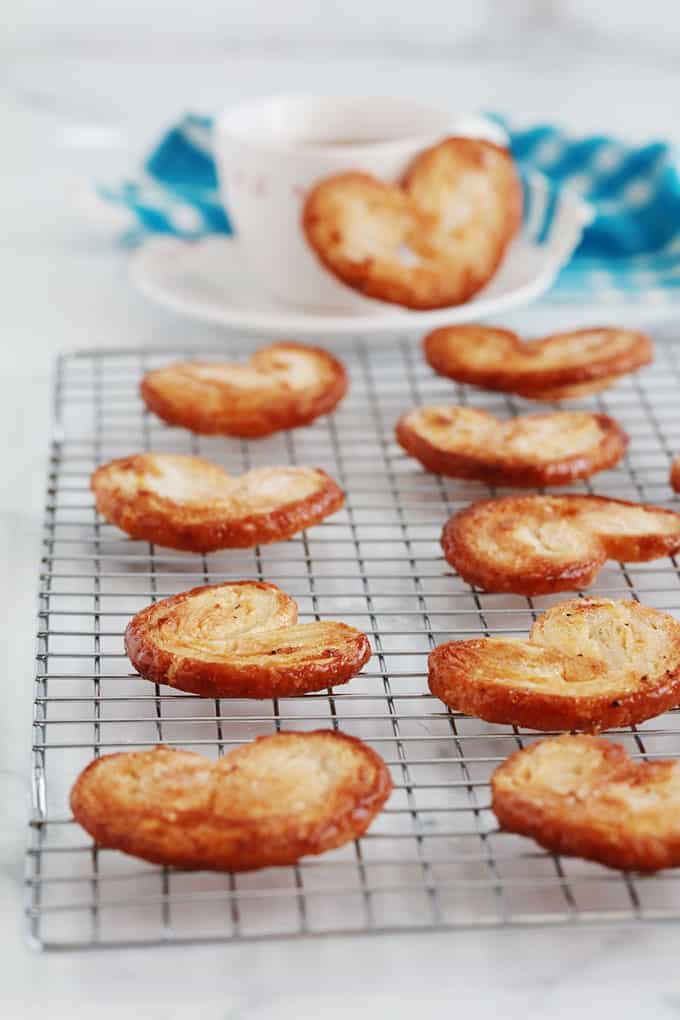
point(533, 449)
point(557, 367)
point(585, 797)
point(434, 240)
point(266, 803)
point(189, 503)
point(241, 639)
point(281, 386)
point(588, 664)
point(535, 545)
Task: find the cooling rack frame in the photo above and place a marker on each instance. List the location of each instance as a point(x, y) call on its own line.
point(435, 859)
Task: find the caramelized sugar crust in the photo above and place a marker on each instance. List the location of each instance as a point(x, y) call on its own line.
point(585, 797)
point(434, 239)
point(535, 545)
point(282, 386)
point(588, 664)
point(190, 503)
point(530, 450)
point(241, 639)
point(557, 367)
point(266, 803)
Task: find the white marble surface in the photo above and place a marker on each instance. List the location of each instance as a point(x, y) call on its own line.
point(64, 118)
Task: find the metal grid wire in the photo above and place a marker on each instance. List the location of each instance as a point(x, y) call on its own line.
point(434, 859)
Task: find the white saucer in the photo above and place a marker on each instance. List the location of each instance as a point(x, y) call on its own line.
point(208, 280)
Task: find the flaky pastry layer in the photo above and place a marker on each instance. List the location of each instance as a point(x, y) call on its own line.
point(534, 545)
point(537, 449)
point(553, 368)
point(585, 797)
point(241, 639)
point(434, 240)
point(266, 803)
point(189, 503)
point(280, 387)
point(588, 664)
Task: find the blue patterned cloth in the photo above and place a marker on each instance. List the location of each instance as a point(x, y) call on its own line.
point(631, 249)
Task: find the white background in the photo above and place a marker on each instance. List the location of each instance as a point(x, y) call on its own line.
point(82, 86)
point(222, 26)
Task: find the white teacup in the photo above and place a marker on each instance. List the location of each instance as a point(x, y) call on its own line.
point(271, 152)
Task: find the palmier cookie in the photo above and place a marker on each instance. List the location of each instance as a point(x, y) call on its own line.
point(266, 803)
point(241, 639)
point(585, 797)
point(675, 474)
point(434, 239)
point(533, 449)
point(535, 545)
point(588, 664)
point(555, 368)
point(189, 503)
point(280, 387)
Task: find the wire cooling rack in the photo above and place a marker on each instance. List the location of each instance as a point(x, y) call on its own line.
point(434, 859)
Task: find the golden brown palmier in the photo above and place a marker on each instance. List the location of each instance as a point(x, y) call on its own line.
point(431, 241)
point(241, 639)
point(588, 664)
point(280, 387)
point(675, 474)
point(190, 503)
point(266, 803)
point(532, 449)
point(535, 545)
point(556, 367)
point(585, 797)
